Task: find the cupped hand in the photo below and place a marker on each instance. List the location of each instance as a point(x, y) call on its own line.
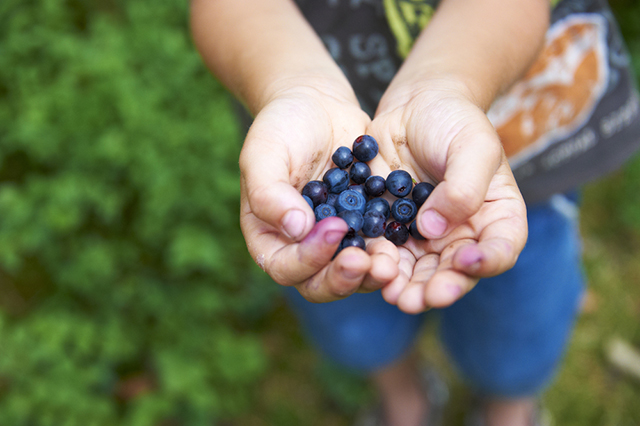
point(475, 219)
point(290, 143)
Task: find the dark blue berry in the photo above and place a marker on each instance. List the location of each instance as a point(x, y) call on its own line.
point(404, 210)
point(365, 148)
point(337, 180)
point(317, 191)
point(324, 211)
point(413, 230)
point(379, 205)
point(350, 200)
point(360, 189)
point(399, 183)
point(375, 186)
point(374, 224)
point(331, 199)
point(359, 172)
point(342, 158)
point(397, 233)
point(421, 192)
point(353, 240)
point(353, 218)
point(309, 201)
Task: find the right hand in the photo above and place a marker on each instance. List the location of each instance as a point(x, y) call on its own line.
point(289, 144)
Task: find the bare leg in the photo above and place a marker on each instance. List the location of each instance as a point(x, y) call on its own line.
point(515, 412)
point(403, 399)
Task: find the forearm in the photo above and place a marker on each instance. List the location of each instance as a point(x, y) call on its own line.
point(258, 47)
point(484, 45)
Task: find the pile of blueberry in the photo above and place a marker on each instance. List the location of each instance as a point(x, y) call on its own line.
point(350, 192)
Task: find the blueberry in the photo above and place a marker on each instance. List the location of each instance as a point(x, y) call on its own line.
point(379, 205)
point(397, 233)
point(353, 241)
point(399, 183)
point(337, 180)
point(324, 211)
point(360, 189)
point(404, 210)
point(317, 191)
point(342, 158)
point(413, 230)
point(309, 201)
point(421, 192)
point(374, 224)
point(331, 199)
point(353, 218)
point(350, 200)
point(375, 186)
point(365, 148)
point(359, 172)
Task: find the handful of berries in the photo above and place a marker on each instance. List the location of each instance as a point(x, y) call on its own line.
point(350, 192)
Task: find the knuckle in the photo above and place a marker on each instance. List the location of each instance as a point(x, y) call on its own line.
point(341, 289)
point(466, 199)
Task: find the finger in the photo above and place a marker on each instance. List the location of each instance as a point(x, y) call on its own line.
point(497, 251)
point(384, 265)
point(339, 279)
point(293, 263)
point(392, 291)
point(473, 159)
point(412, 299)
point(447, 284)
point(272, 198)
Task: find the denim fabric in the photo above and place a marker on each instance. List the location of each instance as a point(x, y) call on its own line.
point(506, 336)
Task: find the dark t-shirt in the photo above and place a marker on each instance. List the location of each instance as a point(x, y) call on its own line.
point(572, 118)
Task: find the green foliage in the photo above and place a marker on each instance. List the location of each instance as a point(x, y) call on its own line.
point(120, 251)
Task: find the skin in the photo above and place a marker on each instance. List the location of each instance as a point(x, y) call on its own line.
point(431, 122)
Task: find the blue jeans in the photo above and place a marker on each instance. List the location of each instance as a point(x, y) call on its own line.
point(506, 336)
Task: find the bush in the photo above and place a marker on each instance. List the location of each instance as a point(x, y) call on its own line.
point(125, 286)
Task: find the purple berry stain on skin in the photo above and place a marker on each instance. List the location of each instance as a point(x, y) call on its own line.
point(319, 231)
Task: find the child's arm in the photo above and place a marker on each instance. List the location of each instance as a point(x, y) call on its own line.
point(470, 52)
point(270, 58)
point(257, 48)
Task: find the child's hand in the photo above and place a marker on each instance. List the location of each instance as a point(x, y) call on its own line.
point(290, 143)
point(475, 219)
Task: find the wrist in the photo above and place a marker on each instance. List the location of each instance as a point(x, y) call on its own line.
point(401, 93)
point(309, 84)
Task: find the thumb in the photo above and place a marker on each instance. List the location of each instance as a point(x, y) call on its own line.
point(472, 162)
point(270, 195)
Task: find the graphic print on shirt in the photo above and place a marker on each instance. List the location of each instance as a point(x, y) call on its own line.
point(406, 19)
point(559, 92)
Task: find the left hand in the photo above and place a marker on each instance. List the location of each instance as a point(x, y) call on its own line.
point(475, 219)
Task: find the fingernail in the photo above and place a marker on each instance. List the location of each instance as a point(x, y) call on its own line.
point(471, 257)
point(294, 223)
point(433, 223)
point(333, 237)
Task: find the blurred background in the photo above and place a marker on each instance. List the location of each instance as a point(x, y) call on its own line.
point(127, 296)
